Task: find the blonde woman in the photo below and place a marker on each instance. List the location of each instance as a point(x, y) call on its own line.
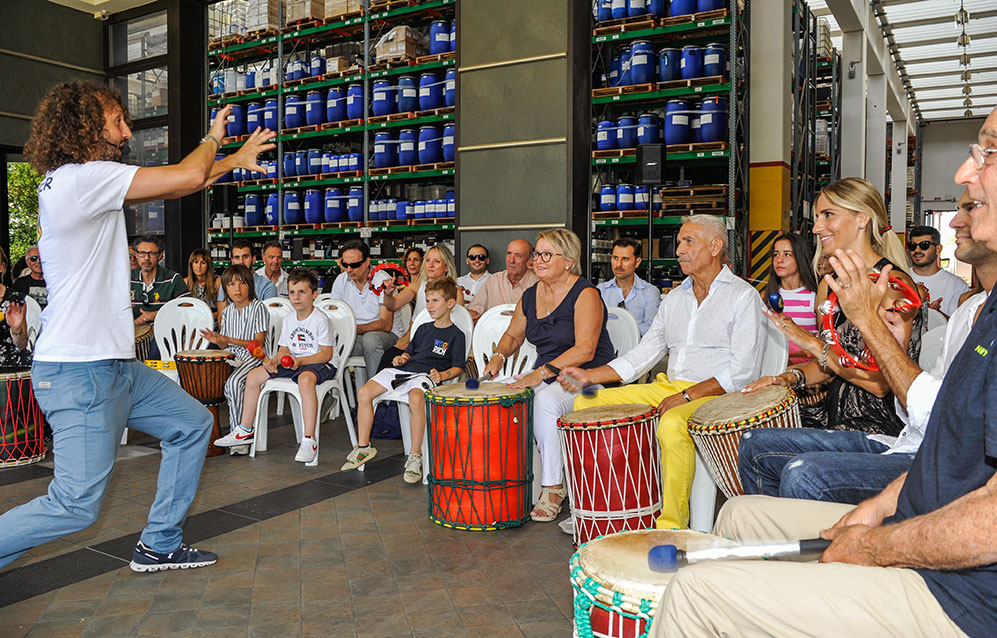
point(564, 317)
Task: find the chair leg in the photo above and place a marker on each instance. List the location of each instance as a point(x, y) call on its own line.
point(124, 437)
point(405, 421)
point(351, 428)
point(702, 498)
point(280, 404)
point(260, 426)
point(537, 486)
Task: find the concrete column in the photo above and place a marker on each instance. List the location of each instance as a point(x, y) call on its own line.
point(853, 104)
point(875, 132)
point(898, 177)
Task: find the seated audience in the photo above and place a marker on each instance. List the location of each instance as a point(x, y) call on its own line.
point(273, 257)
point(412, 261)
point(477, 264)
point(627, 290)
point(924, 244)
point(201, 280)
point(792, 277)
point(153, 285)
point(508, 285)
point(711, 328)
point(33, 283)
point(15, 351)
point(243, 255)
point(563, 316)
point(434, 355)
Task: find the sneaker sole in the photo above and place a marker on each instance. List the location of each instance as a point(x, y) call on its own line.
point(301, 459)
point(353, 467)
point(412, 480)
point(158, 567)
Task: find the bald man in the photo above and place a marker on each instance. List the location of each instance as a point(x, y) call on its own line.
point(506, 286)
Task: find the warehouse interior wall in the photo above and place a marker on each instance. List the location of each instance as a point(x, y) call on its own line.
point(944, 146)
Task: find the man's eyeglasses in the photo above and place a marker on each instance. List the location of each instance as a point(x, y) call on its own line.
point(544, 256)
point(146, 253)
point(33, 258)
point(923, 245)
point(354, 265)
point(477, 257)
point(980, 154)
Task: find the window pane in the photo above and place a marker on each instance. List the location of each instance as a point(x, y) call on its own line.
point(138, 39)
point(149, 147)
point(145, 92)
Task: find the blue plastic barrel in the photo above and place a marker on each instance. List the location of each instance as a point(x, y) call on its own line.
point(354, 101)
point(710, 5)
point(327, 162)
point(657, 8)
point(656, 199)
point(253, 208)
point(605, 135)
point(453, 35)
point(404, 210)
point(407, 153)
point(626, 132)
point(647, 129)
point(604, 10)
point(354, 204)
point(643, 62)
point(713, 119)
point(636, 8)
point(315, 108)
point(451, 203)
point(624, 197)
point(290, 166)
point(677, 122)
point(236, 124)
point(619, 9)
point(692, 62)
point(301, 162)
point(314, 207)
point(254, 116)
point(669, 61)
point(317, 66)
point(335, 105)
point(614, 70)
point(430, 145)
point(607, 197)
point(314, 161)
point(334, 210)
point(383, 98)
point(439, 37)
point(294, 112)
point(683, 7)
point(271, 212)
point(356, 161)
point(714, 60)
point(450, 91)
point(695, 126)
point(449, 150)
point(272, 168)
point(641, 195)
point(408, 94)
point(292, 207)
point(270, 114)
point(385, 150)
point(430, 92)
point(625, 67)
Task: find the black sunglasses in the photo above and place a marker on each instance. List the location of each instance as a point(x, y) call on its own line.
point(33, 258)
point(477, 257)
point(923, 245)
point(354, 265)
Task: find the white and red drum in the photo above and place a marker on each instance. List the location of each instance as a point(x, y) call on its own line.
point(203, 373)
point(480, 456)
point(613, 468)
point(22, 425)
point(717, 427)
point(616, 594)
point(144, 339)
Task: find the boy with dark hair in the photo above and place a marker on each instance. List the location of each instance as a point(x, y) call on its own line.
point(435, 354)
point(306, 340)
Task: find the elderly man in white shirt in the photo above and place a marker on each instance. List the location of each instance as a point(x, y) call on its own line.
point(851, 466)
point(711, 328)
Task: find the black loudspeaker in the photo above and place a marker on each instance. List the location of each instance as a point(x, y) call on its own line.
point(224, 200)
point(650, 163)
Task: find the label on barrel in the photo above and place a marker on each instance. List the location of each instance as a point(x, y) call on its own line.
point(640, 131)
point(601, 136)
point(608, 199)
point(293, 206)
point(422, 146)
point(250, 208)
point(350, 99)
point(712, 58)
point(448, 139)
point(705, 118)
point(682, 63)
point(408, 92)
point(379, 148)
point(423, 91)
point(353, 201)
point(408, 146)
point(638, 59)
point(680, 120)
point(443, 37)
point(625, 198)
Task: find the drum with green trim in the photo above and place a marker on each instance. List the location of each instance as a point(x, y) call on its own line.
point(480, 456)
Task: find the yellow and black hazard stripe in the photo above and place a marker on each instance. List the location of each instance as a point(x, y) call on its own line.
point(761, 255)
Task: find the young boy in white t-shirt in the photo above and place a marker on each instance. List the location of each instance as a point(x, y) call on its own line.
point(305, 339)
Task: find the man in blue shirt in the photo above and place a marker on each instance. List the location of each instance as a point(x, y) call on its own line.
point(242, 253)
point(626, 289)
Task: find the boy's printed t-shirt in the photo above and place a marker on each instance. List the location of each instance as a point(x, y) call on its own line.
point(305, 337)
point(435, 348)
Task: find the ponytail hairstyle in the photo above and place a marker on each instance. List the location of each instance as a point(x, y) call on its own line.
point(857, 195)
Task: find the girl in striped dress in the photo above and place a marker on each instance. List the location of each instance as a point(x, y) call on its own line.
point(791, 276)
point(244, 319)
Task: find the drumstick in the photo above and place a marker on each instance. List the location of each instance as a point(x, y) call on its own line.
point(588, 389)
point(474, 384)
point(666, 558)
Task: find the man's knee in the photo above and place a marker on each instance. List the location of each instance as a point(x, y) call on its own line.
point(803, 478)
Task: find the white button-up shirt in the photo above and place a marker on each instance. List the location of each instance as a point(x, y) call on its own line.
point(723, 337)
point(365, 304)
point(923, 390)
point(642, 302)
point(280, 284)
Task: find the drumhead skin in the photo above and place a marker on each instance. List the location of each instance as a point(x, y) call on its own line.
point(142, 330)
point(205, 354)
point(735, 407)
point(487, 390)
point(607, 415)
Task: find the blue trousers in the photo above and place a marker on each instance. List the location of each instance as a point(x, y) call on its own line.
point(821, 465)
point(88, 405)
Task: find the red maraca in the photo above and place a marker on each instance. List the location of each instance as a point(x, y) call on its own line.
point(255, 349)
point(286, 361)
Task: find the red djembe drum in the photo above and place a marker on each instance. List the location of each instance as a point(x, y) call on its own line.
point(22, 430)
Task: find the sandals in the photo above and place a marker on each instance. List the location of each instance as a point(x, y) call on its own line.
point(546, 510)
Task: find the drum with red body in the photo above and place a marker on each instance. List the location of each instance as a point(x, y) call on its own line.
point(613, 468)
point(22, 429)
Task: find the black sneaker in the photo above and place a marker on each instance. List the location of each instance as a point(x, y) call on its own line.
point(184, 557)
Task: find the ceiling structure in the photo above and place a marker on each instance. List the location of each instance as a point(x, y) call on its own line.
point(947, 75)
point(98, 7)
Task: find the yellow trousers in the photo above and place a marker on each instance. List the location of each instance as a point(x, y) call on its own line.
point(678, 451)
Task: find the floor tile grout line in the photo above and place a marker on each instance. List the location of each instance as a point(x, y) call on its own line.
point(97, 551)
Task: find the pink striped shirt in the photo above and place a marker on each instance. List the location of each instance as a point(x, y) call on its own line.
point(799, 306)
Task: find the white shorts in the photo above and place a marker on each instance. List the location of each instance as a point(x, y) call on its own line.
point(385, 377)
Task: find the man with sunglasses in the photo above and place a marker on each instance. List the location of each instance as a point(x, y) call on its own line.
point(924, 246)
point(473, 281)
point(33, 283)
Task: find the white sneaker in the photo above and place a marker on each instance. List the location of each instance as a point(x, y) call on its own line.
point(413, 468)
point(238, 436)
point(307, 451)
point(238, 450)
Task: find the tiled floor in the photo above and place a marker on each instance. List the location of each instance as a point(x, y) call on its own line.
point(303, 552)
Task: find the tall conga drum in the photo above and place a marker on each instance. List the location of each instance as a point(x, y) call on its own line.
point(22, 430)
point(203, 374)
point(717, 428)
point(480, 456)
point(616, 594)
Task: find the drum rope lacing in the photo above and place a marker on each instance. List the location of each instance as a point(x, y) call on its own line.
point(764, 417)
point(591, 592)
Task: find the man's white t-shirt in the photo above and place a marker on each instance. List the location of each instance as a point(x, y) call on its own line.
point(84, 251)
point(471, 285)
point(306, 336)
point(365, 304)
point(941, 284)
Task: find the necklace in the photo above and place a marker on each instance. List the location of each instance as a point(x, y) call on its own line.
point(554, 297)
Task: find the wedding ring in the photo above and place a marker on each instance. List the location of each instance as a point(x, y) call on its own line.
point(848, 285)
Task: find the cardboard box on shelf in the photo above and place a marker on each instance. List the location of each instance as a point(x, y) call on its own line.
point(297, 10)
point(335, 8)
point(402, 41)
point(336, 64)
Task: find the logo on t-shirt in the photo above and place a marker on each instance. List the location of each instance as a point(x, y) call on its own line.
point(440, 347)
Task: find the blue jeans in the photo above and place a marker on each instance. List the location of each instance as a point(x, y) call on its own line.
point(821, 465)
point(88, 405)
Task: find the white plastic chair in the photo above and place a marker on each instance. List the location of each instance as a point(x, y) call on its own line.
point(178, 327)
point(357, 364)
point(462, 319)
point(932, 342)
point(344, 330)
point(703, 494)
point(33, 319)
point(623, 329)
point(488, 332)
point(278, 308)
point(324, 296)
point(935, 319)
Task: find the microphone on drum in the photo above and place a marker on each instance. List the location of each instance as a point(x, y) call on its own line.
point(667, 558)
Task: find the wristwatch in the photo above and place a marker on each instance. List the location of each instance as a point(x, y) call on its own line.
point(211, 137)
point(685, 395)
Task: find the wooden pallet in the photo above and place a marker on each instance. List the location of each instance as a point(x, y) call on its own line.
point(692, 211)
point(618, 214)
point(255, 229)
point(388, 5)
point(823, 105)
point(391, 170)
point(302, 226)
point(301, 129)
point(300, 178)
point(623, 90)
point(622, 25)
point(695, 17)
point(397, 222)
point(443, 110)
point(343, 17)
point(696, 147)
point(695, 190)
point(304, 80)
point(392, 63)
point(439, 166)
point(341, 225)
point(340, 175)
point(436, 57)
point(690, 203)
point(259, 34)
point(335, 75)
point(614, 152)
point(684, 84)
point(341, 124)
point(259, 182)
point(304, 23)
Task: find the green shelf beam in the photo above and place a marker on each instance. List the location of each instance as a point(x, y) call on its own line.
point(671, 220)
point(425, 6)
point(416, 121)
point(447, 172)
point(671, 157)
point(411, 70)
point(410, 176)
point(683, 29)
point(664, 93)
point(303, 232)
